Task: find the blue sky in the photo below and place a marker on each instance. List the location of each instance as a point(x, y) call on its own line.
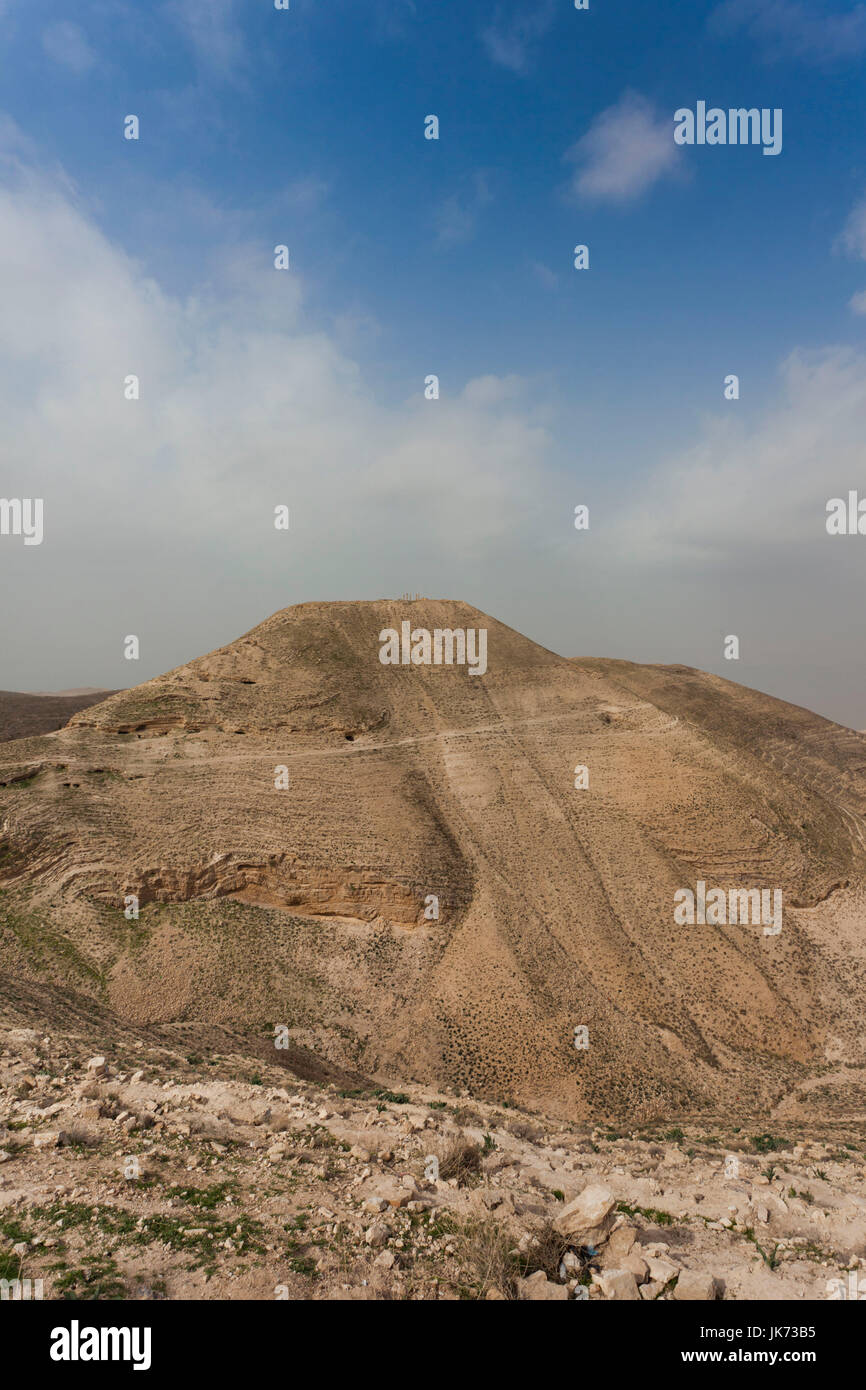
point(454, 257)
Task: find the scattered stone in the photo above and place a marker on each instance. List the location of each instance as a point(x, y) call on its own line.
point(619, 1285)
point(693, 1286)
point(48, 1139)
point(588, 1219)
point(377, 1234)
point(538, 1289)
point(661, 1271)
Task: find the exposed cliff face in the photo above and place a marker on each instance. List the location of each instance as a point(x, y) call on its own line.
point(397, 861)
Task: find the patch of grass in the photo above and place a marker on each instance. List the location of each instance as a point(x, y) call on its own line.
point(487, 1249)
point(804, 1196)
point(546, 1253)
point(771, 1260)
point(767, 1143)
point(659, 1218)
point(459, 1158)
point(465, 1115)
point(205, 1198)
point(98, 1278)
point(392, 1097)
point(524, 1129)
point(175, 1232)
point(46, 947)
point(10, 1265)
point(11, 1228)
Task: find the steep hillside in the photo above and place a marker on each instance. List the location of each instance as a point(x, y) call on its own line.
point(310, 904)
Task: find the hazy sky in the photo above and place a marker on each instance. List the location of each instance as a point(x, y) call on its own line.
point(411, 257)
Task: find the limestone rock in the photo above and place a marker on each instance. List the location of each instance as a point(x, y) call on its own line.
point(694, 1286)
point(538, 1289)
point(619, 1285)
point(588, 1219)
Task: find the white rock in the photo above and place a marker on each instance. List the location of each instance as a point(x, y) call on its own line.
point(660, 1271)
point(651, 1290)
point(48, 1139)
point(377, 1234)
point(619, 1285)
point(588, 1219)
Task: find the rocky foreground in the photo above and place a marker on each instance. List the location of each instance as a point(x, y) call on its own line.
point(152, 1174)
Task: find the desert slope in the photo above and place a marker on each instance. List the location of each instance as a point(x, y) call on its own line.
point(306, 905)
point(23, 714)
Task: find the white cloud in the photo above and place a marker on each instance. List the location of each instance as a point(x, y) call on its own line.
point(66, 43)
point(510, 41)
point(853, 240)
point(457, 217)
point(749, 492)
point(794, 29)
point(853, 237)
point(214, 33)
point(151, 504)
point(627, 149)
point(158, 513)
point(730, 536)
point(544, 275)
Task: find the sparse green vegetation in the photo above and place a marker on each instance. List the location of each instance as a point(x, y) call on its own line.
point(771, 1260)
point(659, 1218)
point(767, 1143)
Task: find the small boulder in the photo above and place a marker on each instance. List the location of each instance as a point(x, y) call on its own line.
point(693, 1286)
point(588, 1219)
point(377, 1234)
point(651, 1290)
point(622, 1239)
point(661, 1271)
point(618, 1285)
point(538, 1289)
point(48, 1139)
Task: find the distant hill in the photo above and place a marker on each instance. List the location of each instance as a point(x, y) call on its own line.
point(23, 714)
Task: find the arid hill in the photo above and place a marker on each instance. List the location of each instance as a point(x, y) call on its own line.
point(311, 904)
point(22, 714)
